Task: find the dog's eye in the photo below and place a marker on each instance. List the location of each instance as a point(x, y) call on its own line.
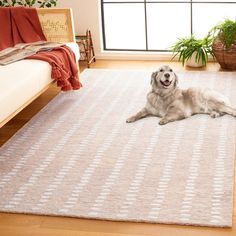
point(171, 70)
point(161, 70)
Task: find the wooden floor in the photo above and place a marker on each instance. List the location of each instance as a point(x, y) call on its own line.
point(23, 225)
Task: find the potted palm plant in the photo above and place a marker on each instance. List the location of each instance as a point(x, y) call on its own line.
point(193, 52)
point(224, 44)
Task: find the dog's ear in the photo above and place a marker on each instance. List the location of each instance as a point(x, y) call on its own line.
point(176, 80)
point(153, 77)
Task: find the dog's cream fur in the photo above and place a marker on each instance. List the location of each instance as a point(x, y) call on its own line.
point(167, 101)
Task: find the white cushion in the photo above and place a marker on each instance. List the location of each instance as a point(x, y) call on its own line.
point(75, 48)
point(22, 80)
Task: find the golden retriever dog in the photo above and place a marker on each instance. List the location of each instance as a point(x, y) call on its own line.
point(171, 103)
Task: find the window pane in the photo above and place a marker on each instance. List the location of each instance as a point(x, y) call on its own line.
point(165, 24)
point(167, 20)
point(169, 1)
point(214, 1)
point(123, 0)
point(124, 26)
point(202, 23)
point(148, 0)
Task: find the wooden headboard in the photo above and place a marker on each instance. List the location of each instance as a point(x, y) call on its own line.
point(57, 24)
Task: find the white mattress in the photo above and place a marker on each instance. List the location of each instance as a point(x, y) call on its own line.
point(22, 80)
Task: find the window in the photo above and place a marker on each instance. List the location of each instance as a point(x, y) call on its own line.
point(152, 25)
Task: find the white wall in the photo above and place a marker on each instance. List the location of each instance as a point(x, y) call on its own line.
point(86, 16)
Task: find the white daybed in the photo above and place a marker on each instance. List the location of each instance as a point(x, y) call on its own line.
point(23, 81)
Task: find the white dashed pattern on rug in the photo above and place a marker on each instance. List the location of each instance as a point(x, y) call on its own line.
point(78, 157)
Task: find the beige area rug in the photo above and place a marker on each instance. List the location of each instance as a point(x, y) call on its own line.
point(79, 158)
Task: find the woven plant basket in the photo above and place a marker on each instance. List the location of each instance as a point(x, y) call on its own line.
point(225, 57)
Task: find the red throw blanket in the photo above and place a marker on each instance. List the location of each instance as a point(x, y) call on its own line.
point(21, 25)
point(64, 68)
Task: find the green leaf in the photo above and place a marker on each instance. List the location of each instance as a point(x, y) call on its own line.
point(225, 32)
point(185, 47)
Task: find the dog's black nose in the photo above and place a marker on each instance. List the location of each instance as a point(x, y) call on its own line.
point(167, 75)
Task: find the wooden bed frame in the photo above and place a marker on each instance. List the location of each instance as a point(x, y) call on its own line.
point(57, 25)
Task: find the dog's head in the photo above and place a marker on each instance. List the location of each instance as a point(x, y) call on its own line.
point(164, 79)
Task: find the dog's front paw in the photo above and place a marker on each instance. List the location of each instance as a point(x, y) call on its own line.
point(214, 114)
point(130, 119)
point(163, 121)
